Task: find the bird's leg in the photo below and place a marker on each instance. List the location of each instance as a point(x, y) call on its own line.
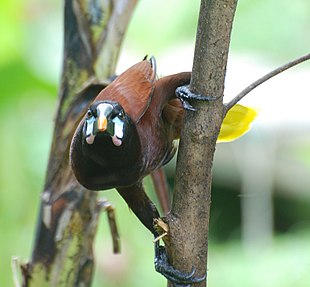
point(140, 204)
point(146, 211)
point(184, 94)
point(178, 278)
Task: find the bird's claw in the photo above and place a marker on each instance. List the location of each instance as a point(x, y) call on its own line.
point(179, 279)
point(184, 94)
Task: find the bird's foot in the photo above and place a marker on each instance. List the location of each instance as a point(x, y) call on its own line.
point(184, 94)
point(178, 278)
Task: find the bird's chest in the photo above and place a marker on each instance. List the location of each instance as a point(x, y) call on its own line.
point(113, 166)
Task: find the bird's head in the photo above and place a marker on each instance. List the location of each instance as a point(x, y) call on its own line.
point(105, 117)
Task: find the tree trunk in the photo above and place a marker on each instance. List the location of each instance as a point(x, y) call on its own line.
point(62, 253)
point(189, 217)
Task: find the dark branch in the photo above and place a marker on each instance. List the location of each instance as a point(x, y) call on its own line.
point(189, 217)
point(265, 78)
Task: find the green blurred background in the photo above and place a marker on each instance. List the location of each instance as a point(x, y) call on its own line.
point(260, 221)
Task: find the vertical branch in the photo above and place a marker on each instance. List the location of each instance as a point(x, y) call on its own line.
point(62, 253)
point(189, 217)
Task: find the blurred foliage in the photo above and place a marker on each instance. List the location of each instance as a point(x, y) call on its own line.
point(30, 60)
point(275, 28)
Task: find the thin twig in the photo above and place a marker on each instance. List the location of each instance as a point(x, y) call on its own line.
point(160, 237)
point(265, 78)
point(105, 205)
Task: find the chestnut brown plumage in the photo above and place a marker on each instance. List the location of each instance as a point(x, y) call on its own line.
point(127, 134)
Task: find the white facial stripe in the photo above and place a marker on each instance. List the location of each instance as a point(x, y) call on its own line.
point(104, 109)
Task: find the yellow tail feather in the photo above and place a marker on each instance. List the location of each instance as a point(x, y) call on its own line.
point(236, 123)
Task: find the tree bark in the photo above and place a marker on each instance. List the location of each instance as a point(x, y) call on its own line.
point(189, 218)
point(62, 253)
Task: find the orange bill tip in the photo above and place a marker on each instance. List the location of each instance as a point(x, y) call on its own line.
point(102, 123)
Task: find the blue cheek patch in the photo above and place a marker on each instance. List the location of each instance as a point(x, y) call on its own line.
point(118, 128)
point(90, 126)
point(89, 130)
point(118, 132)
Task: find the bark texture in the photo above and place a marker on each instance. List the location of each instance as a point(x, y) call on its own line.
point(62, 253)
point(189, 218)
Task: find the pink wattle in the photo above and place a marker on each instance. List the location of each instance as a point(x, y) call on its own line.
point(90, 139)
point(116, 141)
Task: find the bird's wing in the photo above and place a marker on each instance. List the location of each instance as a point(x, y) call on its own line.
point(161, 188)
point(133, 88)
point(173, 114)
point(164, 97)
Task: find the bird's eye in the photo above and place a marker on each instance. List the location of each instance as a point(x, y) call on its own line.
point(121, 114)
point(89, 114)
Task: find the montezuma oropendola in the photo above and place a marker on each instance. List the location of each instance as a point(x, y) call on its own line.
point(128, 133)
